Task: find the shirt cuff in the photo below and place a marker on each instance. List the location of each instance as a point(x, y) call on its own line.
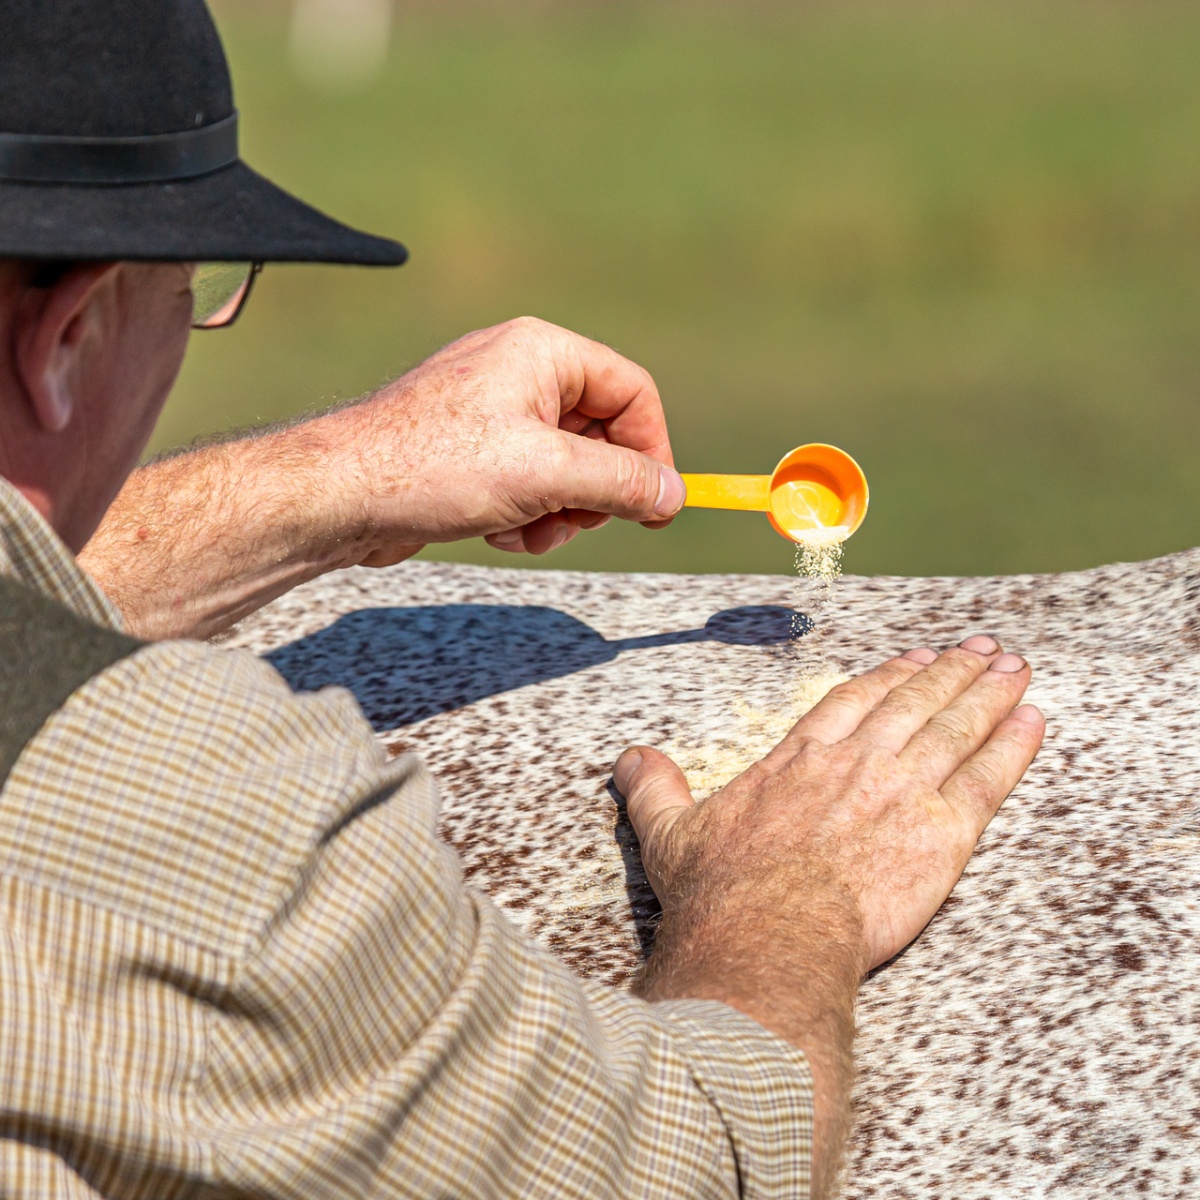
point(761, 1087)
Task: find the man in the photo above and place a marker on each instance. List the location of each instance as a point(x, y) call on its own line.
point(234, 958)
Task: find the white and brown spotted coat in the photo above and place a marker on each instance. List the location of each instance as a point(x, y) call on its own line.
point(1042, 1037)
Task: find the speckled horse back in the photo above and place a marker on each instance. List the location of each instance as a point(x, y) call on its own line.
point(1040, 1038)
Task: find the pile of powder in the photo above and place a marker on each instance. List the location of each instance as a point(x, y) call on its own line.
point(749, 735)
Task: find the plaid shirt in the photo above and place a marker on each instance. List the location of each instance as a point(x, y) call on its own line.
point(235, 960)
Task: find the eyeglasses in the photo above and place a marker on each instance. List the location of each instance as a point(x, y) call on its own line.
point(220, 291)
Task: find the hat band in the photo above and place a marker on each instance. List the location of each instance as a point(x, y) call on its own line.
point(32, 158)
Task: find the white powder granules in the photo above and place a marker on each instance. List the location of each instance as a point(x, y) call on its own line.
point(819, 552)
point(752, 733)
point(818, 568)
point(749, 735)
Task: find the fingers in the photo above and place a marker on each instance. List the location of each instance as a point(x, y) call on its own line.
point(612, 389)
point(908, 708)
point(979, 786)
point(582, 425)
point(606, 478)
point(538, 537)
point(901, 695)
point(582, 428)
point(656, 795)
point(840, 713)
point(582, 518)
point(617, 401)
point(951, 735)
point(547, 533)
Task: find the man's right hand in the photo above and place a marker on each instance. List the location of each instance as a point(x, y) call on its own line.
point(829, 856)
point(524, 433)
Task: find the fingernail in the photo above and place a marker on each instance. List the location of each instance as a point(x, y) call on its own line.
point(595, 522)
point(511, 537)
point(625, 769)
point(1009, 663)
point(981, 643)
point(923, 655)
point(1029, 713)
point(671, 493)
point(560, 535)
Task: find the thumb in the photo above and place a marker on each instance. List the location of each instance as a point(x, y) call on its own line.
point(606, 478)
point(656, 796)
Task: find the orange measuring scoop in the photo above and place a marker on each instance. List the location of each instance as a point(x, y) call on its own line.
point(814, 487)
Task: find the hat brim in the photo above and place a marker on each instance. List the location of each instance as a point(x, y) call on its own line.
point(232, 215)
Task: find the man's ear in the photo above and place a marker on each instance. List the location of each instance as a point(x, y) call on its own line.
point(51, 329)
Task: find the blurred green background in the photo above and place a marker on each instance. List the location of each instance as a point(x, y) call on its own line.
point(962, 241)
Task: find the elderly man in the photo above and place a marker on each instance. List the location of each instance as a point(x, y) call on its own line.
point(234, 958)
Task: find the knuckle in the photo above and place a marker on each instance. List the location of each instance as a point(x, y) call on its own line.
point(925, 691)
point(854, 693)
point(522, 331)
point(633, 483)
point(981, 781)
point(809, 749)
point(909, 705)
point(876, 772)
point(754, 778)
point(647, 389)
point(955, 726)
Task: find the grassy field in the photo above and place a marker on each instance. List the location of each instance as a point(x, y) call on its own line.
point(960, 240)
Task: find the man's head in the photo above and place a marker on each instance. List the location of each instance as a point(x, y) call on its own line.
point(86, 361)
point(118, 159)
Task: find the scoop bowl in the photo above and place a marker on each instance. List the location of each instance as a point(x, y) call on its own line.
point(815, 489)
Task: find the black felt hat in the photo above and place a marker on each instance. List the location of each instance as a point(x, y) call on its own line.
point(118, 140)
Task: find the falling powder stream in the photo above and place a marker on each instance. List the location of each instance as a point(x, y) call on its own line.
point(818, 568)
point(754, 732)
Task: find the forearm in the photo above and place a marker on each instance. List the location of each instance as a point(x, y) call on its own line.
point(480, 440)
point(196, 542)
point(793, 974)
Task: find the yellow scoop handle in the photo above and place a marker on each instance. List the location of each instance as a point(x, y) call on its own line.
point(814, 487)
point(750, 493)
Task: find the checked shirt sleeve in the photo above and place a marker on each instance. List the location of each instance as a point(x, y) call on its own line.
point(244, 964)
